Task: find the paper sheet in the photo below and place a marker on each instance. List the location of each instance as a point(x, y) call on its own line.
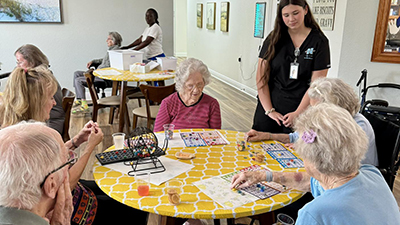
point(173, 169)
point(107, 72)
point(176, 142)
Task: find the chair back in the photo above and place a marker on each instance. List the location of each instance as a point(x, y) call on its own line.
point(387, 137)
point(92, 90)
point(67, 101)
point(155, 94)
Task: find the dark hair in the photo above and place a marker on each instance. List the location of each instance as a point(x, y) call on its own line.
point(155, 14)
point(279, 29)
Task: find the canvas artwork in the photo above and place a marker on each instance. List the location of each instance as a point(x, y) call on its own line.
point(30, 11)
point(224, 16)
point(200, 15)
point(211, 15)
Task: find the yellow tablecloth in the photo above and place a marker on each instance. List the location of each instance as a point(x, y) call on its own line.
point(210, 161)
point(126, 75)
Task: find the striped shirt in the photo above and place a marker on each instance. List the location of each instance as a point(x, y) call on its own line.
point(203, 114)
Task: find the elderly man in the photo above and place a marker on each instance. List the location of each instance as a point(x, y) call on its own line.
point(34, 176)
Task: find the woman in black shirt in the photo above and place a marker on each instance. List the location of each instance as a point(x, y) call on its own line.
point(295, 53)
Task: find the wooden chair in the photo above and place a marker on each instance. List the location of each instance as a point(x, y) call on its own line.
point(111, 101)
point(67, 101)
point(156, 95)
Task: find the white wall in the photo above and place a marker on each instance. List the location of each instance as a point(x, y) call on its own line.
point(82, 36)
point(350, 43)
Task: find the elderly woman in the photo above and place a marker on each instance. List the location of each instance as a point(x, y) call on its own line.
point(335, 91)
point(190, 107)
point(114, 40)
point(30, 56)
point(332, 146)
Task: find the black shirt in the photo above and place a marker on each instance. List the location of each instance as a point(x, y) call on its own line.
point(314, 55)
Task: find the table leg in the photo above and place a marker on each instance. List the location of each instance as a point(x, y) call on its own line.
point(122, 106)
point(113, 93)
point(167, 220)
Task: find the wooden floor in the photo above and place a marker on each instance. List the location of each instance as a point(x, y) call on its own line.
point(237, 111)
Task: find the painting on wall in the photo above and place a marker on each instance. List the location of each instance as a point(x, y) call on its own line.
point(224, 16)
point(211, 15)
point(30, 11)
point(199, 15)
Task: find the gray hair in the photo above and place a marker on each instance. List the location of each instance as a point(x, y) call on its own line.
point(33, 55)
point(335, 91)
point(27, 155)
point(188, 67)
point(115, 37)
point(340, 143)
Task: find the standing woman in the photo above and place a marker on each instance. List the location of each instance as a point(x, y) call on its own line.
point(30, 56)
point(151, 39)
point(294, 54)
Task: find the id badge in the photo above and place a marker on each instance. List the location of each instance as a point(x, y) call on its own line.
point(294, 70)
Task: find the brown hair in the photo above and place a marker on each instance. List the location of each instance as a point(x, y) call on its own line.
point(25, 95)
point(33, 55)
point(280, 28)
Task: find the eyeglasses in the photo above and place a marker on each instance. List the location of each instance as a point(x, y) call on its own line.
point(192, 86)
point(72, 158)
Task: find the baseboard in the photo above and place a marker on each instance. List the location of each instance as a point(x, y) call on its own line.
point(233, 83)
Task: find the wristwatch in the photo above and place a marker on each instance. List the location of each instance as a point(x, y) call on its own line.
point(269, 111)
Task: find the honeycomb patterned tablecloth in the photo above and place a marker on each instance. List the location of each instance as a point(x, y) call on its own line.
point(154, 75)
point(210, 161)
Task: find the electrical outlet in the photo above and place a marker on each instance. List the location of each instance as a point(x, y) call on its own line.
point(240, 59)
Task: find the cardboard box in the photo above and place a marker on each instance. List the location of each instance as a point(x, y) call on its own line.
point(167, 63)
point(143, 67)
point(122, 59)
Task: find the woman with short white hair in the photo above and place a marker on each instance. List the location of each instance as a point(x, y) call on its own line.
point(190, 107)
point(335, 91)
point(332, 145)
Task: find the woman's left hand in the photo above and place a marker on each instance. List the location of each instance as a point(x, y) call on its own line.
point(289, 118)
point(247, 178)
point(83, 135)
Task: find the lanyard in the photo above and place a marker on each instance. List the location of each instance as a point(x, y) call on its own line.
point(296, 54)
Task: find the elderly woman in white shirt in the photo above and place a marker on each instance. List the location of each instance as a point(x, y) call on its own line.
point(151, 39)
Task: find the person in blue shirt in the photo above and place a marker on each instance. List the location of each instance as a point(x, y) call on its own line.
point(335, 91)
point(332, 145)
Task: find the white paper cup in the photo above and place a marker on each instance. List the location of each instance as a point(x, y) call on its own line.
point(119, 139)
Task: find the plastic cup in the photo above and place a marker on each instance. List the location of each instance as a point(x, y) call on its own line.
point(142, 180)
point(169, 131)
point(119, 139)
point(174, 191)
point(283, 219)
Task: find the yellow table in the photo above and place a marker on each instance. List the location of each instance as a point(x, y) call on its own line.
point(210, 161)
point(126, 75)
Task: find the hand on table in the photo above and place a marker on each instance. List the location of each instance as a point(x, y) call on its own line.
point(290, 145)
point(254, 135)
point(247, 178)
point(89, 64)
point(276, 116)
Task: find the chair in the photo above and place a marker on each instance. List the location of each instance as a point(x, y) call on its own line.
point(156, 95)
point(102, 84)
point(111, 101)
point(387, 138)
point(67, 101)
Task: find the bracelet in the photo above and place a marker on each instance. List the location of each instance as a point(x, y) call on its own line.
point(73, 143)
point(269, 111)
point(269, 176)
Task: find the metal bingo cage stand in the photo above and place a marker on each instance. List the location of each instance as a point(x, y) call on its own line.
point(385, 121)
point(144, 145)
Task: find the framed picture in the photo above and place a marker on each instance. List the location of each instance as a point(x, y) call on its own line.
point(199, 15)
point(30, 11)
point(259, 19)
point(211, 15)
point(224, 16)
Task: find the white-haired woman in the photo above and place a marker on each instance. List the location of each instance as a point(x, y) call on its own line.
point(335, 91)
point(114, 41)
point(332, 146)
point(190, 107)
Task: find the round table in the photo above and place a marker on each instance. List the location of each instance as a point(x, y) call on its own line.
point(209, 161)
point(127, 76)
